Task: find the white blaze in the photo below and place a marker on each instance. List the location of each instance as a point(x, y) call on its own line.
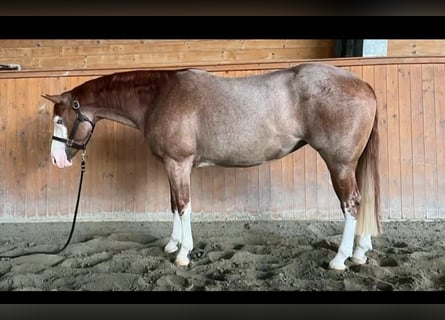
point(58, 154)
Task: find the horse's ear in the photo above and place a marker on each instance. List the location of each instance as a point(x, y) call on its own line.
point(64, 98)
point(53, 98)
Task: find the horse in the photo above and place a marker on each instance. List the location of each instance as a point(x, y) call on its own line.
point(193, 118)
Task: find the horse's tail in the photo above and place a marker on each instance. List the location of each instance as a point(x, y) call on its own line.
point(367, 174)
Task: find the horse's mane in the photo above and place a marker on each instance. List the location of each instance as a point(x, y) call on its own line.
point(122, 87)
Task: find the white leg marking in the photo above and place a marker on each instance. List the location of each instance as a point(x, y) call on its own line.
point(346, 245)
point(364, 245)
point(176, 236)
point(182, 258)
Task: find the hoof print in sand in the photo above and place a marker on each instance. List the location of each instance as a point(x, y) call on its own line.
point(325, 244)
point(388, 262)
point(196, 254)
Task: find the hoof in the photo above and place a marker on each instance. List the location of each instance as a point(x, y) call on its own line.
point(182, 259)
point(359, 260)
point(170, 248)
point(335, 265)
point(182, 262)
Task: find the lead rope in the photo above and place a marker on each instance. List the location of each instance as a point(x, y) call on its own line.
point(82, 170)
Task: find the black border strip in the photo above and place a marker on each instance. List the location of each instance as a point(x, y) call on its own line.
point(219, 27)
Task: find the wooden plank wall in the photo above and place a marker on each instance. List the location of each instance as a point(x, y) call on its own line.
point(36, 54)
point(123, 181)
point(416, 47)
point(96, 54)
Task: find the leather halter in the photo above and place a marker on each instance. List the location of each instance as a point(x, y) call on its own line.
point(80, 117)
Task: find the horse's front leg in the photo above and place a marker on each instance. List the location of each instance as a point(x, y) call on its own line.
point(176, 236)
point(179, 178)
point(182, 259)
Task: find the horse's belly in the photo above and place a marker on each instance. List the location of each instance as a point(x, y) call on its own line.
point(205, 164)
point(233, 155)
point(228, 163)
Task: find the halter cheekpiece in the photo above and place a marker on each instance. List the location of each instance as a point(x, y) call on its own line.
point(80, 117)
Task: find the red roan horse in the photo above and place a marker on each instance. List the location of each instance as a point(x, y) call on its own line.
point(191, 118)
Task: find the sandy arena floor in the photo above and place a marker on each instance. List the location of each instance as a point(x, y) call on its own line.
point(267, 256)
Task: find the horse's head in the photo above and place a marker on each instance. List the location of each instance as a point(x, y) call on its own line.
point(68, 114)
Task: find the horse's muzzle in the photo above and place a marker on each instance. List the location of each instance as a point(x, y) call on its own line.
point(60, 159)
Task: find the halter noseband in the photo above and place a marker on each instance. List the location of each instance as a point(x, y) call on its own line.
point(80, 117)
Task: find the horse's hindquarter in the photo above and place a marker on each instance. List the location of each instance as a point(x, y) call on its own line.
point(338, 109)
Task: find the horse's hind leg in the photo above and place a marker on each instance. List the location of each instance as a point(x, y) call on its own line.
point(179, 179)
point(364, 244)
point(345, 186)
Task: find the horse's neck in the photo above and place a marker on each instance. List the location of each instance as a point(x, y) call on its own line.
point(125, 109)
point(128, 114)
point(117, 116)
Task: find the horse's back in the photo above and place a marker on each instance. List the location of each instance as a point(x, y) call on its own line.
point(316, 80)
